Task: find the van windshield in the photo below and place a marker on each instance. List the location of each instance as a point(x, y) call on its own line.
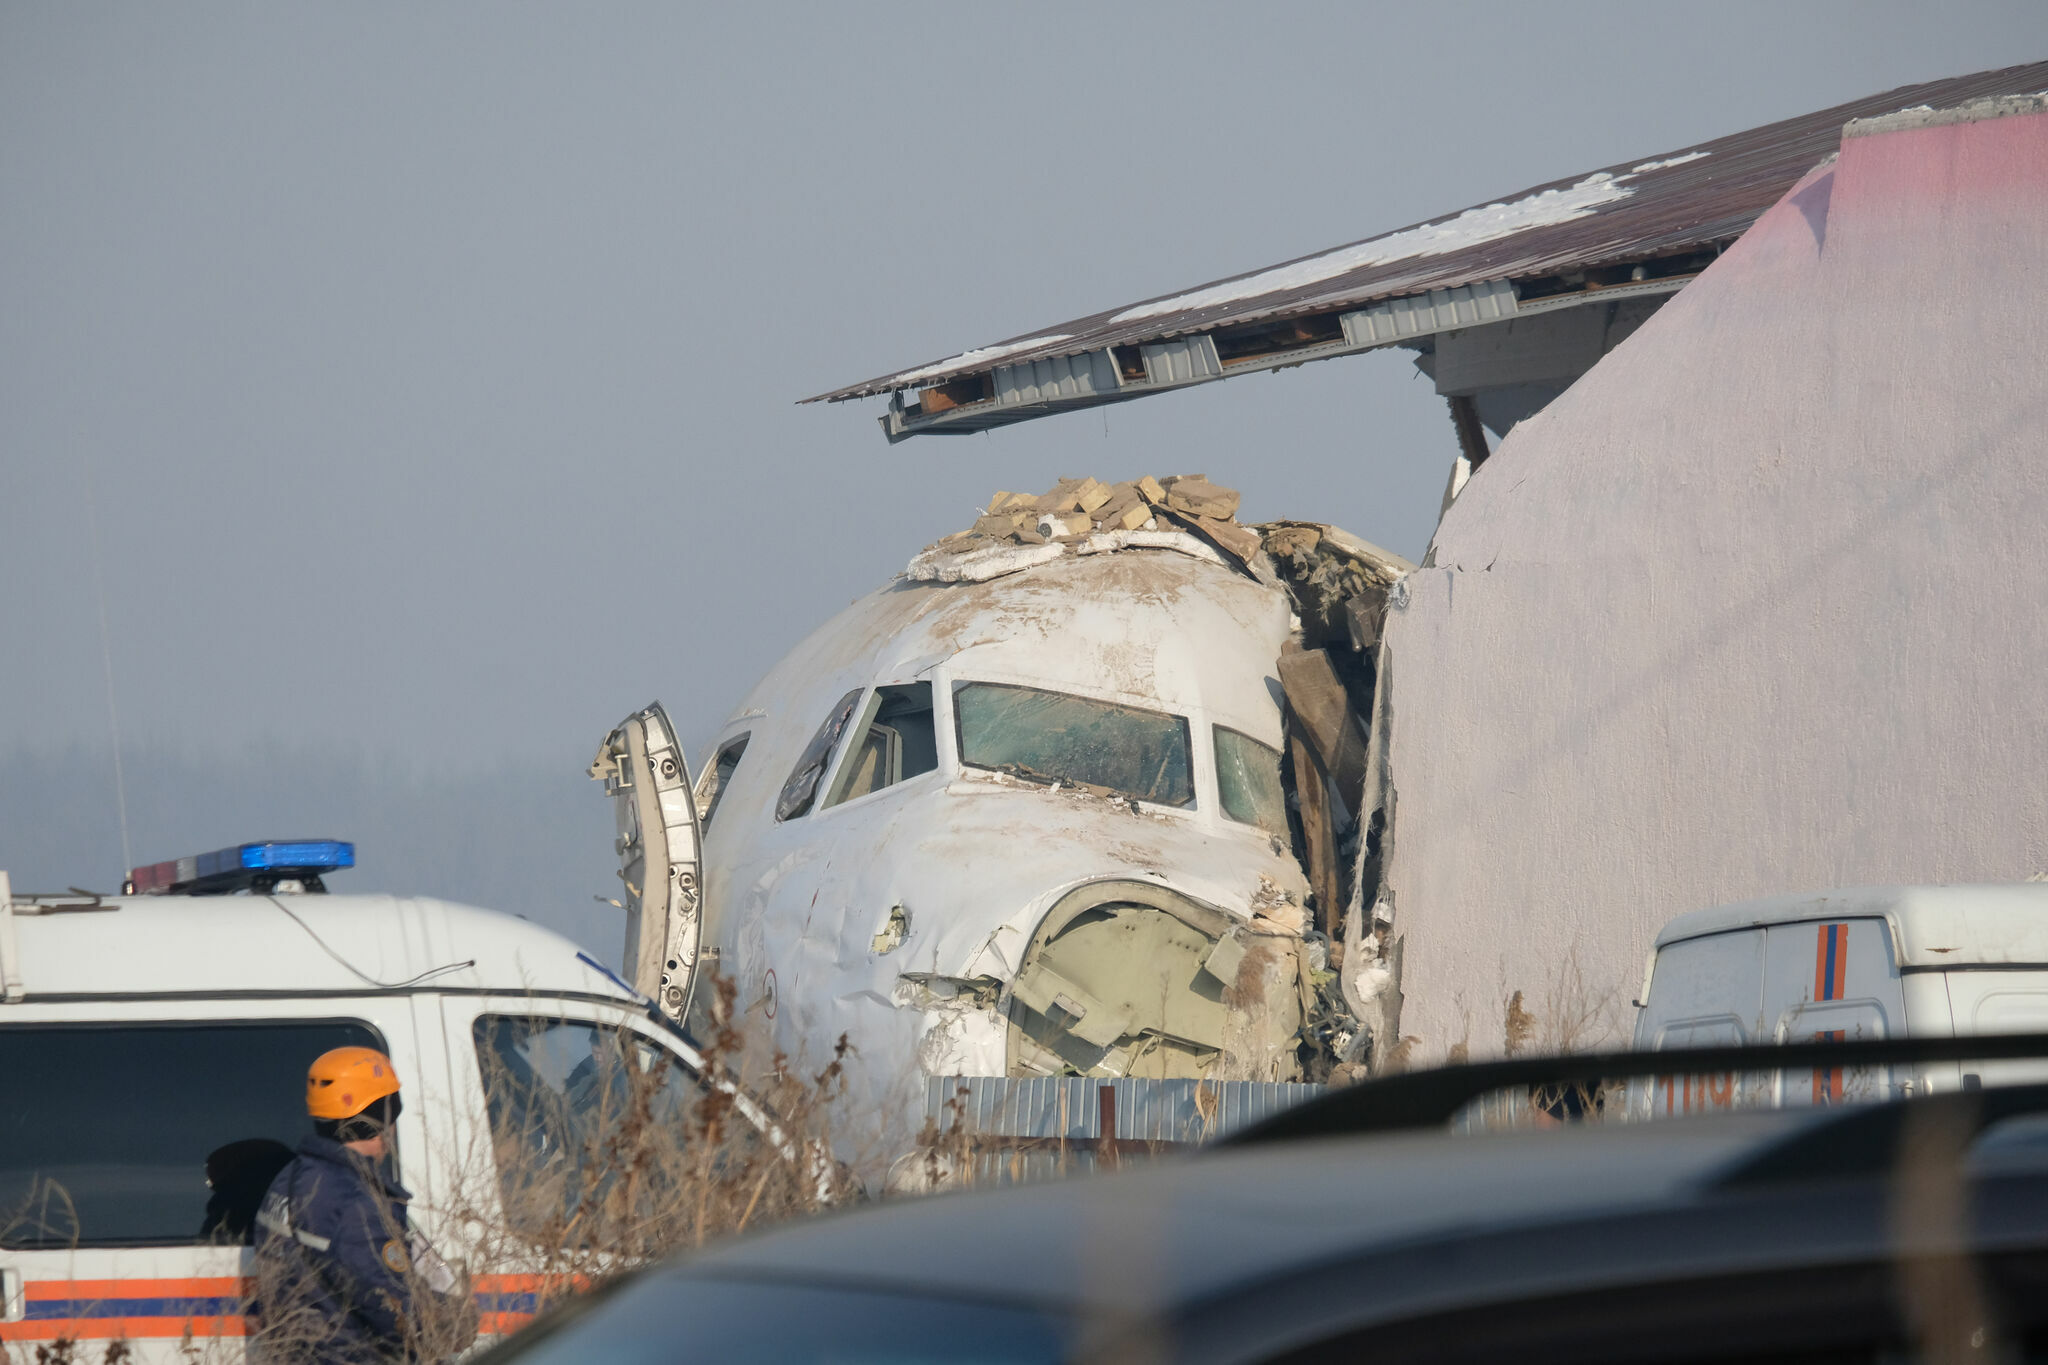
point(1050, 737)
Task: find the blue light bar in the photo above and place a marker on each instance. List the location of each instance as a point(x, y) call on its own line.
point(244, 867)
point(298, 853)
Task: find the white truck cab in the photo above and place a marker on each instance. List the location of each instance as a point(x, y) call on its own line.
point(151, 1042)
point(1867, 962)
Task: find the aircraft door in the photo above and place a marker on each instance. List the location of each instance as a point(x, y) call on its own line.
point(660, 855)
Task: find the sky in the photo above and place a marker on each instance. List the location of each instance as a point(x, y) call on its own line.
point(392, 397)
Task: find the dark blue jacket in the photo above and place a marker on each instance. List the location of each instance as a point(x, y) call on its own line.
point(332, 1259)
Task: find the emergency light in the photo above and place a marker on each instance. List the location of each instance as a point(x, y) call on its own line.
point(244, 867)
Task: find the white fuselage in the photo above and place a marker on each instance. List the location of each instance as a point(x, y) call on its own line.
point(855, 918)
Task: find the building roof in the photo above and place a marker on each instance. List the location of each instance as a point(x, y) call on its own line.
point(1646, 226)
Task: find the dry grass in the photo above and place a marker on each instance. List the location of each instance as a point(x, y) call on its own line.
point(1518, 1026)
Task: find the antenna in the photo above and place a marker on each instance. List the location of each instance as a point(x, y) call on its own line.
point(107, 659)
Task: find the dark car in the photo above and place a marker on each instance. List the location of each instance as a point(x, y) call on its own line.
point(1361, 1227)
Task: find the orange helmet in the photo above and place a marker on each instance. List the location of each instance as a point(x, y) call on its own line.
point(342, 1083)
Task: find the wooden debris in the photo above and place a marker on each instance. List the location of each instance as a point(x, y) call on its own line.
point(1054, 525)
point(1322, 712)
point(1113, 515)
point(1239, 542)
point(1000, 524)
point(1198, 497)
point(1133, 516)
point(1062, 498)
point(1080, 506)
point(1292, 540)
point(1363, 617)
point(1318, 830)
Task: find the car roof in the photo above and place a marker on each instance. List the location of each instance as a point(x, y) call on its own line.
point(299, 944)
point(1188, 1228)
point(2002, 924)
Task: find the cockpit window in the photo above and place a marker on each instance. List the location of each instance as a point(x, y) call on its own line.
point(1053, 737)
point(802, 788)
point(711, 786)
point(1248, 782)
point(897, 743)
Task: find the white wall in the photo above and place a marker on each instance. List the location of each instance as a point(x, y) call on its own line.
point(1754, 607)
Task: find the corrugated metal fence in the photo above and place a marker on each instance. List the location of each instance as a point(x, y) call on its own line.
point(1032, 1128)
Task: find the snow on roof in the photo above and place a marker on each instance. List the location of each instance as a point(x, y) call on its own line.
point(1487, 223)
point(985, 355)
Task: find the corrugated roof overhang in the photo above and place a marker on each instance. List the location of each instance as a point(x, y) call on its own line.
point(1635, 229)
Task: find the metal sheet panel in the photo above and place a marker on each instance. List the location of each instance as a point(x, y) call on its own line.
point(1051, 379)
point(1183, 360)
point(1439, 310)
point(1070, 1107)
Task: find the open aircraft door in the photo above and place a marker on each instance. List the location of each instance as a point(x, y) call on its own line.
point(660, 855)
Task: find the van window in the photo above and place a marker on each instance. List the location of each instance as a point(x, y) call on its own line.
point(1248, 782)
point(1044, 736)
point(801, 790)
point(109, 1132)
point(711, 786)
point(900, 742)
point(576, 1108)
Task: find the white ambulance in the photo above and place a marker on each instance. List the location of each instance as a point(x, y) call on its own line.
point(1868, 962)
point(151, 1043)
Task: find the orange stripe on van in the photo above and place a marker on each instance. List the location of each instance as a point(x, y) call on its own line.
point(203, 1287)
point(501, 1324)
point(115, 1294)
point(1830, 961)
point(104, 1329)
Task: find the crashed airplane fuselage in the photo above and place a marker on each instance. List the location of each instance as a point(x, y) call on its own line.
point(1028, 822)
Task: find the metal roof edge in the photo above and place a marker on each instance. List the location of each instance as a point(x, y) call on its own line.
point(1189, 359)
point(1679, 177)
point(1975, 111)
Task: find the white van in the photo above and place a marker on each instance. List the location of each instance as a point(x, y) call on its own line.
point(147, 1041)
point(1868, 962)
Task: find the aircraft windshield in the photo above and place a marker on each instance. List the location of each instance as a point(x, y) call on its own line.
point(1052, 737)
point(1248, 781)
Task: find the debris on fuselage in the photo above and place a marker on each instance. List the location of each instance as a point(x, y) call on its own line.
point(1338, 582)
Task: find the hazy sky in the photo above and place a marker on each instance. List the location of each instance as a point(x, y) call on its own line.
point(434, 367)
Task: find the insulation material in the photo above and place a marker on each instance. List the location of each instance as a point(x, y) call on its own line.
point(1752, 608)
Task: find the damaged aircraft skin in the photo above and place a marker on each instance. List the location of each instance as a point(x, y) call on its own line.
point(1018, 813)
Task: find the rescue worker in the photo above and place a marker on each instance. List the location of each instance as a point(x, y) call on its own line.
point(341, 1279)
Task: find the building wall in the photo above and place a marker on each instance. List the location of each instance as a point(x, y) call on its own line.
point(1754, 607)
